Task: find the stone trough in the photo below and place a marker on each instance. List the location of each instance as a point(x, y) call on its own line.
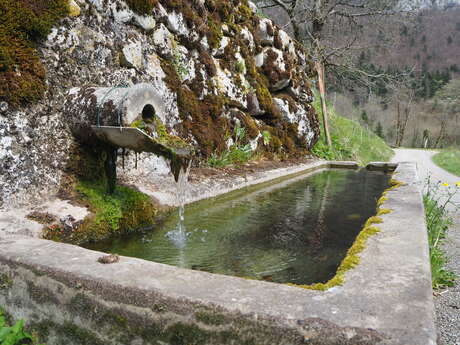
point(387, 299)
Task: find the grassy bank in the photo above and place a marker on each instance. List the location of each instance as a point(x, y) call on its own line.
point(436, 199)
point(350, 140)
point(449, 160)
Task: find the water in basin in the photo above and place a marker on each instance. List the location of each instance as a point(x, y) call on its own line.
point(297, 231)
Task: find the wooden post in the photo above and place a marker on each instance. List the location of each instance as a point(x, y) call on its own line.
point(322, 93)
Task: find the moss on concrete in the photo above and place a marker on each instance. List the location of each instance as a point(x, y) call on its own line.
point(352, 258)
point(6, 281)
point(210, 318)
point(41, 295)
point(126, 210)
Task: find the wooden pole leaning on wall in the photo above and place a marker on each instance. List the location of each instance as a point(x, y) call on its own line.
point(322, 93)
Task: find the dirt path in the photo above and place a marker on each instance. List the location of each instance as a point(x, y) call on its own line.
point(448, 302)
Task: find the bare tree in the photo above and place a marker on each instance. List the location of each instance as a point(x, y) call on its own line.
point(404, 99)
point(316, 23)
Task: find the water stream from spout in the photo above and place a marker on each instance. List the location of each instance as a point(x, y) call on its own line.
point(179, 235)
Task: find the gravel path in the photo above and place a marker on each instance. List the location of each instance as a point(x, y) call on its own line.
point(447, 303)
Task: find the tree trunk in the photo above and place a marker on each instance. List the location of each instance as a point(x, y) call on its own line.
point(322, 93)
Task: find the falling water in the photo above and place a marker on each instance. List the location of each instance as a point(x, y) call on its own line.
point(179, 235)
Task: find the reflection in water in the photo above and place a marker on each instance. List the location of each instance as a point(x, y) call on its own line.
point(297, 231)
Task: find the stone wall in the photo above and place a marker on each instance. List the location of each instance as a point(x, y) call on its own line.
point(216, 64)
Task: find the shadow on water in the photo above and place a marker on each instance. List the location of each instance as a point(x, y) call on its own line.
point(297, 231)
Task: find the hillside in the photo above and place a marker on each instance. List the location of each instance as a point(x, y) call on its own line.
point(431, 43)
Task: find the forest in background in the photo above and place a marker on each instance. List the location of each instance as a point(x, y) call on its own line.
point(402, 79)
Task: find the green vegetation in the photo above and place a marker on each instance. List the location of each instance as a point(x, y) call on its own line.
point(142, 7)
point(85, 183)
point(13, 335)
point(436, 199)
point(125, 210)
point(236, 154)
point(350, 141)
point(24, 24)
point(449, 160)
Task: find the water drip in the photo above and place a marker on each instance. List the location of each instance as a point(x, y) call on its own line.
point(179, 235)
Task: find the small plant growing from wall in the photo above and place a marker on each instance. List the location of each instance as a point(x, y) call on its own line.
point(236, 154)
point(267, 137)
point(178, 62)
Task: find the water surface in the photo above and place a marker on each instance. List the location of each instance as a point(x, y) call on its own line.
point(297, 231)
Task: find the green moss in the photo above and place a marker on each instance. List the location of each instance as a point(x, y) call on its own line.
point(182, 333)
point(167, 139)
point(6, 282)
point(139, 123)
point(209, 318)
point(142, 7)
point(373, 220)
point(214, 33)
point(24, 24)
point(352, 258)
point(381, 201)
point(382, 211)
point(245, 11)
point(79, 335)
point(125, 210)
point(395, 184)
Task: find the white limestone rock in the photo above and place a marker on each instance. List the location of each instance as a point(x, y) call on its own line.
point(265, 31)
point(278, 76)
point(163, 41)
point(147, 23)
point(219, 52)
point(225, 84)
point(298, 117)
point(248, 38)
point(132, 56)
point(253, 6)
point(176, 24)
point(121, 12)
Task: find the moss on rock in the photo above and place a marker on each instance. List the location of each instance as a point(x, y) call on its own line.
point(142, 7)
point(24, 24)
point(127, 209)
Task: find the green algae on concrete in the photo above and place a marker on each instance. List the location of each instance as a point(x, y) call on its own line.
point(352, 258)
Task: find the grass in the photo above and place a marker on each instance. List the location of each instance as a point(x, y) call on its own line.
point(449, 160)
point(436, 199)
point(350, 141)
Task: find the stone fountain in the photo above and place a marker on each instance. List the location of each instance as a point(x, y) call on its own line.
point(125, 117)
